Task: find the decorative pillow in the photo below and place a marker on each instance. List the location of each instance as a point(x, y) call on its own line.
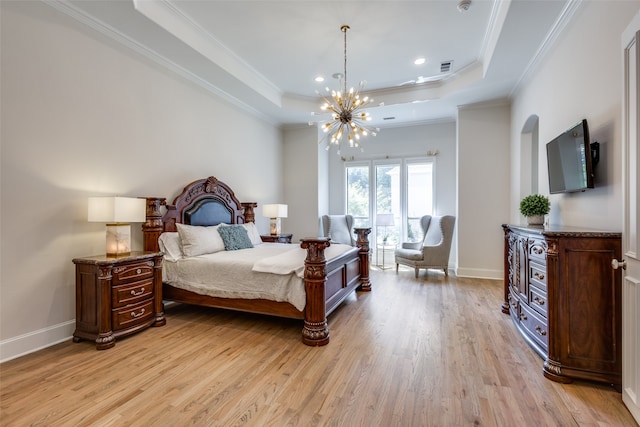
point(198, 240)
point(169, 244)
point(252, 231)
point(235, 237)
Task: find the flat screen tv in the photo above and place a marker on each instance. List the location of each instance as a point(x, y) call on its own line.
point(569, 160)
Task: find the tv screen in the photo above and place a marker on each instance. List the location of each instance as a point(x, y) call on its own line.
point(569, 160)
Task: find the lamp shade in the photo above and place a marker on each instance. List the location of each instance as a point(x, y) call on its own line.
point(274, 211)
point(117, 209)
point(384, 219)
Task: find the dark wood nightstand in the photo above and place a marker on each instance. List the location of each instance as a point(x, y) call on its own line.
point(117, 296)
point(280, 238)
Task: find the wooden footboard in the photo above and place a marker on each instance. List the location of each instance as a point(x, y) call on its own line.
point(327, 284)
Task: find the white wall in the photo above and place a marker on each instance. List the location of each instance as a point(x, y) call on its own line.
point(483, 188)
point(82, 116)
point(579, 78)
point(301, 169)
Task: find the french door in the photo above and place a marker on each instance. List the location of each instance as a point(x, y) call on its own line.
point(631, 221)
point(390, 196)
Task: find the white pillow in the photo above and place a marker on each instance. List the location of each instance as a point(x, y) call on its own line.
point(197, 240)
point(170, 245)
point(253, 233)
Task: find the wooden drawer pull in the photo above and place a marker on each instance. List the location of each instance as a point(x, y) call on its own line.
point(135, 315)
point(538, 300)
point(538, 276)
point(135, 294)
point(540, 331)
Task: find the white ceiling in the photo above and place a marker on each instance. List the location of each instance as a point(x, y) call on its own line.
point(263, 55)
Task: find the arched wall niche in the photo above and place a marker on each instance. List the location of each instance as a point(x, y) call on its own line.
point(529, 155)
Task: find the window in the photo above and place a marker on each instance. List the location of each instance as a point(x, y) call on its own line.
point(358, 195)
point(401, 193)
point(419, 196)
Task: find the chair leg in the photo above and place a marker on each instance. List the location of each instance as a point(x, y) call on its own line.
point(446, 271)
point(417, 270)
point(397, 265)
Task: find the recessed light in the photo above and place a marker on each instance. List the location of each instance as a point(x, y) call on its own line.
point(319, 79)
point(420, 61)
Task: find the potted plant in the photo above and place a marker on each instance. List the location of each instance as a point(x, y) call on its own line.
point(535, 207)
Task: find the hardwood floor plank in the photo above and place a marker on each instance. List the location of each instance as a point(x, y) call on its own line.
point(435, 351)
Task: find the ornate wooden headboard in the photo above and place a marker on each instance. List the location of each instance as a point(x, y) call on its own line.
point(206, 201)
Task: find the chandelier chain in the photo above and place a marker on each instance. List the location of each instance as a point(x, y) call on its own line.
point(344, 29)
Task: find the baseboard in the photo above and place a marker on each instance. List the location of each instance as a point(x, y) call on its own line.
point(629, 399)
point(36, 340)
point(479, 273)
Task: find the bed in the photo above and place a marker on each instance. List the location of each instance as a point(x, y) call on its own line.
point(326, 282)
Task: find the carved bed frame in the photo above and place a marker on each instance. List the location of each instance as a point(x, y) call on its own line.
point(209, 201)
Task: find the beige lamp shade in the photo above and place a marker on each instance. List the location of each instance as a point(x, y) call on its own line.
point(275, 212)
point(117, 213)
point(117, 209)
point(384, 220)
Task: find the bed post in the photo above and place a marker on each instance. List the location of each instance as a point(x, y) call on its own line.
point(153, 227)
point(363, 244)
point(315, 331)
point(249, 213)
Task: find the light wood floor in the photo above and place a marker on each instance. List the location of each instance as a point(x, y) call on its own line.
point(429, 352)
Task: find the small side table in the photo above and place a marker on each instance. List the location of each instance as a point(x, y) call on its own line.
point(383, 247)
point(117, 296)
point(280, 238)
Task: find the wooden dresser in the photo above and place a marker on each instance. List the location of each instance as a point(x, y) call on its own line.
point(117, 296)
point(565, 299)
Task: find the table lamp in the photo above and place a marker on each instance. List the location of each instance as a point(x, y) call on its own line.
point(118, 213)
point(385, 220)
point(275, 212)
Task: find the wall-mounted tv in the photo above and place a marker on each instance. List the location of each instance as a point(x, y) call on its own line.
point(569, 160)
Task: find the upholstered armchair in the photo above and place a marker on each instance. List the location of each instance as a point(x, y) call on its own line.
point(433, 250)
point(339, 228)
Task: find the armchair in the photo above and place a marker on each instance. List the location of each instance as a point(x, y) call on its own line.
point(339, 228)
point(433, 250)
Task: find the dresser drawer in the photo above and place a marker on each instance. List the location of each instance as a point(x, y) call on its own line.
point(538, 275)
point(133, 272)
point(535, 325)
point(133, 293)
point(132, 315)
point(538, 300)
point(537, 249)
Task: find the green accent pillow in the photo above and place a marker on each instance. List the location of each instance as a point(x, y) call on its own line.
point(235, 237)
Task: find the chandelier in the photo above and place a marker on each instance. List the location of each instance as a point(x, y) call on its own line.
point(348, 119)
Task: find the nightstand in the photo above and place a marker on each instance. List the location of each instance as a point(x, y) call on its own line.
point(280, 238)
point(117, 296)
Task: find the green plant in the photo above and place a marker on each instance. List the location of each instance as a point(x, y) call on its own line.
point(535, 204)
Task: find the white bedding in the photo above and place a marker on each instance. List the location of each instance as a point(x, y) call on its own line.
point(272, 271)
